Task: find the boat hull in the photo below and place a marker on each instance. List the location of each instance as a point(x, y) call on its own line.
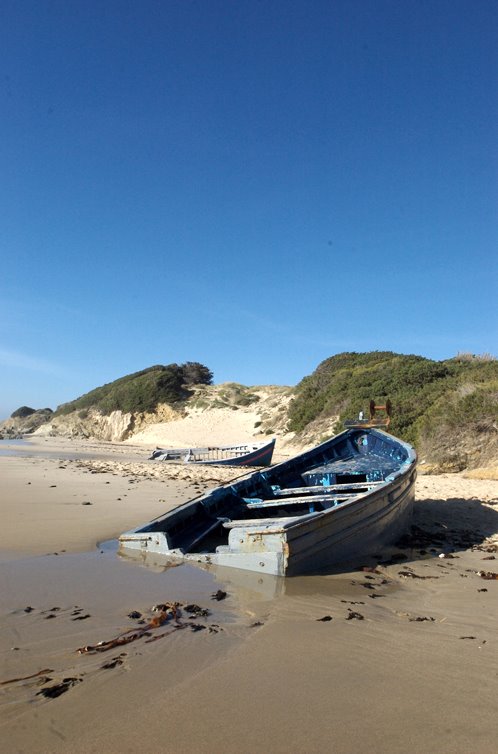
point(356, 499)
point(362, 531)
point(262, 456)
point(340, 538)
point(226, 455)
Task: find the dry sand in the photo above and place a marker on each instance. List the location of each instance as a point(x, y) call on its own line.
point(408, 660)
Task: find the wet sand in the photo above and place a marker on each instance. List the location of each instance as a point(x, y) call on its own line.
point(402, 656)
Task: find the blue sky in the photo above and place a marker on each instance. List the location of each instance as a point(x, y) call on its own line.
point(252, 185)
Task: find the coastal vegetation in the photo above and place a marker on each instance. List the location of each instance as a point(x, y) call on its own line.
point(142, 391)
point(22, 412)
point(447, 409)
point(229, 395)
point(433, 402)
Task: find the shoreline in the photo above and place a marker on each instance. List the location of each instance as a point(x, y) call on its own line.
point(290, 665)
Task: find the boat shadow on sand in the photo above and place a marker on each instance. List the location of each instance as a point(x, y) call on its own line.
point(444, 526)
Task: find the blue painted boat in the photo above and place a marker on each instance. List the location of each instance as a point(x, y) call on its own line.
point(245, 454)
point(327, 508)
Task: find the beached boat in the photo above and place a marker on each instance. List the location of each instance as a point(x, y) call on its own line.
point(327, 507)
point(245, 454)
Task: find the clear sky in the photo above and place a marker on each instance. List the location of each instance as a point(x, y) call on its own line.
point(254, 185)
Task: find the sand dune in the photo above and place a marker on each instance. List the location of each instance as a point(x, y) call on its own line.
point(213, 427)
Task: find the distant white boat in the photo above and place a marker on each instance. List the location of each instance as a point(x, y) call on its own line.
point(245, 454)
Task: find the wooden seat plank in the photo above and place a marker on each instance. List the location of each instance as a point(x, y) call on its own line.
point(330, 488)
point(300, 500)
point(262, 522)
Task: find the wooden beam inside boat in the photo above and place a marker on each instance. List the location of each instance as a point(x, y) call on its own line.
point(329, 488)
point(255, 524)
point(309, 500)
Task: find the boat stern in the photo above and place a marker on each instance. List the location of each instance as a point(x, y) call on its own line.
point(148, 541)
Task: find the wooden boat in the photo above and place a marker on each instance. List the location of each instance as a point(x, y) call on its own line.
point(327, 507)
point(245, 454)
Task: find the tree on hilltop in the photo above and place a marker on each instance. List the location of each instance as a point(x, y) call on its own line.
point(23, 412)
point(196, 374)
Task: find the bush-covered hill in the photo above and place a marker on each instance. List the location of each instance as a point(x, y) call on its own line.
point(436, 404)
point(142, 391)
point(447, 409)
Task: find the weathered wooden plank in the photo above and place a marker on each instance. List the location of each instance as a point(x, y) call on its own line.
point(259, 523)
point(328, 489)
point(300, 500)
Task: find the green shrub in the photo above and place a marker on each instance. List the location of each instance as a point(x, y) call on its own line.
point(422, 392)
point(22, 412)
point(139, 392)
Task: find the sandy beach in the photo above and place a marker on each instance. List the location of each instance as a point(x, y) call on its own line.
point(399, 656)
